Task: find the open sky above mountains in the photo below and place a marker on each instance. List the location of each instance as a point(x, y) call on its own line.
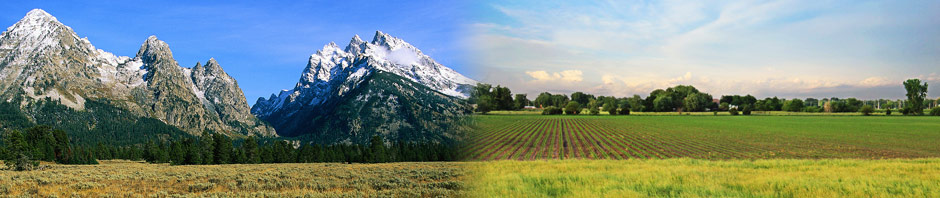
point(262, 44)
point(790, 49)
point(861, 49)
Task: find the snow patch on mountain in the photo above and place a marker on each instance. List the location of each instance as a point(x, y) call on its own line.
point(331, 72)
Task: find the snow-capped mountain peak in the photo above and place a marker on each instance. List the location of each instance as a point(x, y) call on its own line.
point(39, 15)
point(355, 45)
point(321, 64)
point(43, 58)
point(331, 73)
point(390, 42)
point(37, 31)
point(394, 55)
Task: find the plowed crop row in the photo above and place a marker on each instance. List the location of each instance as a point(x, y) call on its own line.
point(563, 138)
point(700, 137)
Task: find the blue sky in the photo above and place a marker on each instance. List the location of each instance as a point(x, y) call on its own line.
point(264, 45)
point(862, 49)
point(789, 49)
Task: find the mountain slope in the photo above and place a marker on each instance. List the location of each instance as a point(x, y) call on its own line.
point(42, 58)
point(336, 98)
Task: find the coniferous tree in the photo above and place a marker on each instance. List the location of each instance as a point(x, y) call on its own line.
point(63, 150)
point(150, 152)
point(19, 157)
point(41, 143)
point(239, 157)
point(305, 153)
point(318, 153)
point(222, 148)
point(104, 152)
point(207, 148)
point(3, 150)
point(177, 153)
point(250, 148)
point(378, 150)
point(163, 153)
point(267, 153)
point(193, 151)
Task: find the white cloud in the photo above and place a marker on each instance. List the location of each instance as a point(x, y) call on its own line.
point(874, 82)
point(567, 75)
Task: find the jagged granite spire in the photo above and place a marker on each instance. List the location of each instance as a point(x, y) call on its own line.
point(337, 78)
point(223, 98)
point(42, 58)
point(39, 50)
point(355, 45)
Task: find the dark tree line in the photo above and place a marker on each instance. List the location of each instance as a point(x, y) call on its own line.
point(214, 148)
point(678, 98)
point(23, 150)
point(686, 98)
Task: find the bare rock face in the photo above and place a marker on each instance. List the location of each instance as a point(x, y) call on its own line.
point(385, 87)
point(224, 99)
point(41, 58)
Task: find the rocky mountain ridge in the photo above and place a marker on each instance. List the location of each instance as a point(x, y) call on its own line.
point(42, 58)
point(333, 73)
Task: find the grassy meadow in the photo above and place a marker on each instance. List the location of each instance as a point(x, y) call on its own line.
point(138, 179)
point(707, 178)
point(531, 137)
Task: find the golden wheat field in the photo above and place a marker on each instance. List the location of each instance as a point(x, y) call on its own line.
point(137, 179)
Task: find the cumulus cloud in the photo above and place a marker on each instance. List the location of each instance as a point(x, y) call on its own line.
point(567, 75)
point(875, 82)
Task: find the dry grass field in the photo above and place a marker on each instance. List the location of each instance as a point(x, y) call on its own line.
point(137, 179)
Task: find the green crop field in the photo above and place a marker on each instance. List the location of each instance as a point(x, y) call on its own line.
point(530, 137)
point(707, 178)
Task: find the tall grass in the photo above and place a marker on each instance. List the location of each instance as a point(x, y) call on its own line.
point(138, 179)
point(705, 178)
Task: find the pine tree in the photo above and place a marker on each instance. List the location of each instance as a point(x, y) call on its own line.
point(40, 141)
point(19, 158)
point(267, 153)
point(63, 151)
point(177, 154)
point(104, 152)
point(207, 148)
point(318, 152)
point(222, 149)
point(163, 153)
point(150, 152)
point(378, 150)
point(193, 151)
point(239, 157)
